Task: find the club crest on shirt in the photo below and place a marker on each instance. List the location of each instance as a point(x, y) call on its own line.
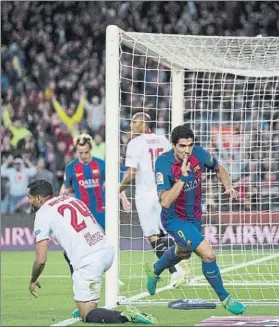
point(159, 179)
point(95, 171)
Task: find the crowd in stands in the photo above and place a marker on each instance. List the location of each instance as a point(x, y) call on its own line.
point(53, 77)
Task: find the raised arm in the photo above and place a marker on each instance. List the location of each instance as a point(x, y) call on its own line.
point(167, 193)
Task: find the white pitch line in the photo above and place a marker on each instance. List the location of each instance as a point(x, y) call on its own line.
point(67, 322)
point(168, 287)
point(201, 277)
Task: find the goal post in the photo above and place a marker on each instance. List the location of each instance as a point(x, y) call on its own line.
point(227, 88)
point(112, 162)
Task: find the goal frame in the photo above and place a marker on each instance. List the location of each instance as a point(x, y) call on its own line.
point(113, 34)
point(112, 148)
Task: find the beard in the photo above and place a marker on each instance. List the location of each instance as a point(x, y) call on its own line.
point(34, 207)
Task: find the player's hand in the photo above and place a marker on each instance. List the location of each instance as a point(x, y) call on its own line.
point(185, 167)
point(126, 204)
point(231, 192)
point(32, 288)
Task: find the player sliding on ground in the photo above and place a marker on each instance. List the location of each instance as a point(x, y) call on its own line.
point(142, 152)
point(71, 223)
point(178, 176)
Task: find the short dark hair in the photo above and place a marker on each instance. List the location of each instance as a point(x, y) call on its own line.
point(40, 187)
point(181, 132)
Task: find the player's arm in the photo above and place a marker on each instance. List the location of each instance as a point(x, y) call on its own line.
point(133, 154)
point(223, 175)
point(41, 229)
point(167, 193)
point(66, 187)
point(225, 178)
point(38, 266)
point(127, 179)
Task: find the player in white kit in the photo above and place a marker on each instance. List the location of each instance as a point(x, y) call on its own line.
point(142, 152)
point(70, 222)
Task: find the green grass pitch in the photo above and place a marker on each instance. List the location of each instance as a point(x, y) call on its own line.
point(55, 301)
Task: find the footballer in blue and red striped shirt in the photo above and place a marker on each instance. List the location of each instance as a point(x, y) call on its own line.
point(86, 175)
point(178, 177)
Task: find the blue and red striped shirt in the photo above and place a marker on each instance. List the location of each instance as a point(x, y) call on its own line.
point(168, 172)
point(87, 180)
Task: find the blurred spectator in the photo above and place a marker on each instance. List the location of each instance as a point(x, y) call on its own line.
point(95, 112)
point(52, 52)
point(42, 172)
point(18, 177)
point(99, 147)
point(17, 130)
point(70, 117)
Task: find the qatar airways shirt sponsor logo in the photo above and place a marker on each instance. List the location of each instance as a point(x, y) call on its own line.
point(192, 185)
point(90, 183)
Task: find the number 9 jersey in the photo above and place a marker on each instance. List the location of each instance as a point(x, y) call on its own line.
point(70, 222)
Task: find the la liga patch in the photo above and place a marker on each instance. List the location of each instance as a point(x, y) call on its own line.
point(159, 179)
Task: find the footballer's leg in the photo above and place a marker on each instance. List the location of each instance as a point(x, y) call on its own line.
point(177, 230)
point(212, 274)
point(149, 217)
point(87, 290)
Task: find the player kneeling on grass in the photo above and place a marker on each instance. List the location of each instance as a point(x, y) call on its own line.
point(70, 222)
point(178, 175)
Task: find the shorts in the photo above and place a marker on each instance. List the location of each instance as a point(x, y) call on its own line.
point(185, 233)
point(87, 281)
point(149, 212)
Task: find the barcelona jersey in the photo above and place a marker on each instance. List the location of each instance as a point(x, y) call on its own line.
point(87, 180)
point(168, 171)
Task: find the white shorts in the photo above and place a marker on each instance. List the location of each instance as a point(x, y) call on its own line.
point(87, 281)
point(149, 212)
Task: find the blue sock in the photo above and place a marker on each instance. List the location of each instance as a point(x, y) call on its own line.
point(167, 260)
point(212, 274)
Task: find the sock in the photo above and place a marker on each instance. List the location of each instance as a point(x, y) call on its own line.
point(105, 316)
point(160, 246)
point(212, 274)
point(69, 263)
point(167, 260)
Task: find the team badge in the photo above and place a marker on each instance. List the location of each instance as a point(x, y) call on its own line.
point(197, 169)
point(159, 179)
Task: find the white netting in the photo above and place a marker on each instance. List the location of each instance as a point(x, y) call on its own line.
point(231, 100)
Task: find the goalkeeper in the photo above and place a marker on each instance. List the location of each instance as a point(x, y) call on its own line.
point(178, 176)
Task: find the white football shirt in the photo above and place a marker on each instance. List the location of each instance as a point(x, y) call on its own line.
point(142, 152)
point(71, 224)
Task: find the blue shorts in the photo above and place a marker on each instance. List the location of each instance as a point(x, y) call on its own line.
point(186, 234)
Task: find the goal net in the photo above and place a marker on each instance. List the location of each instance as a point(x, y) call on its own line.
point(227, 89)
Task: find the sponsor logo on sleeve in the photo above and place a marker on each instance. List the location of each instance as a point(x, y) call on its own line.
point(37, 232)
point(159, 179)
